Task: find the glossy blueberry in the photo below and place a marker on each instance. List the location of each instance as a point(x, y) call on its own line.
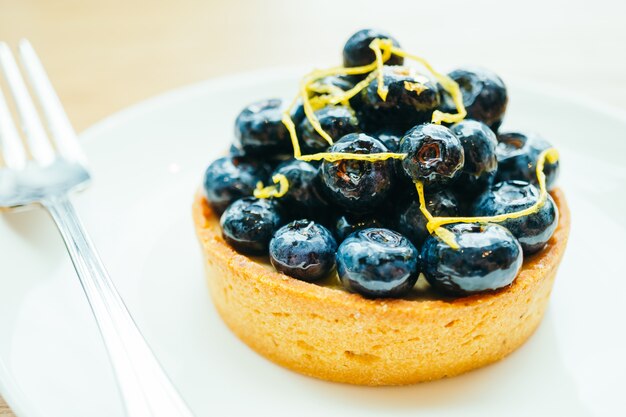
point(357, 51)
point(434, 155)
point(484, 95)
point(479, 147)
point(259, 129)
point(517, 155)
point(230, 178)
point(357, 186)
point(410, 220)
point(303, 197)
point(534, 230)
point(304, 250)
point(337, 121)
point(390, 138)
point(378, 263)
point(411, 99)
point(347, 223)
point(489, 258)
point(249, 224)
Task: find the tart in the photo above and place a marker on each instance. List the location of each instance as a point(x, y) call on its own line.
point(328, 333)
point(381, 229)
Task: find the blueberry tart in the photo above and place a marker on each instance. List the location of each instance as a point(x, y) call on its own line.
point(379, 230)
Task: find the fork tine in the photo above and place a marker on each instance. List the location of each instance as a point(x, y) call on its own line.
point(59, 124)
point(11, 146)
point(40, 146)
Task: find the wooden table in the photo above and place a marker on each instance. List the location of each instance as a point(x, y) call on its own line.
point(105, 55)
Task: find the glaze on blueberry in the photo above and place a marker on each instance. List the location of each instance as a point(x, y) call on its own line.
point(378, 263)
point(489, 258)
point(304, 250)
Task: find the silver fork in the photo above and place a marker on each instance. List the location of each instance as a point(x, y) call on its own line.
point(46, 179)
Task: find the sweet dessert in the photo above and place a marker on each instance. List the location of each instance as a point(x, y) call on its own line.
point(403, 237)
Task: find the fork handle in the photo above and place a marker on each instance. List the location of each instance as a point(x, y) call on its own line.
point(146, 390)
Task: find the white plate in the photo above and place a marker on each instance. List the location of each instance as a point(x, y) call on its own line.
point(148, 161)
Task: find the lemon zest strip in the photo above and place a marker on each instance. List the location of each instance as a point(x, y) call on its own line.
point(328, 156)
point(317, 87)
point(446, 82)
point(271, 190)
point(309, 112)
point(291, 127)
point(417, 87)
point(434, 224)
point(326, 92)
point(345, 96)
point(340, 156)
point(376, 45)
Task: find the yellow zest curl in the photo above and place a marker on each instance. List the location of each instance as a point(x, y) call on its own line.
point(319, 88)
point(339, 156)
point(325, 91)
point(309, 112)
point(315, 75)
point(291, 128)
point(417, 87)
point(271, 190)
point(434, 224)
point(345, 96)
point(447, 83)
point(377, 46)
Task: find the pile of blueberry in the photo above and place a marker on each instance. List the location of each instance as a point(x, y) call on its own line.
point(363, 218)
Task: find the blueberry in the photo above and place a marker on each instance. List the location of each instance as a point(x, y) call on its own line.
point(347, 223)
point(479, 147)
point(517, 158)
point(249, 224)
point(378, 263)
point(357, 186)
point(390, 138)
point(484, 96)
point(357, 51)
point(230, 178)
point(411, 222)
point(489, 258)
point(434, 155)
point(304, 250)
point(259, 129)
point(411, 99)
point(337, 121)
point(532, 231)
point(235, 150)
point(303, 197)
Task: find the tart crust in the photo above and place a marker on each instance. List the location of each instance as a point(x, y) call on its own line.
point(334, 335)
